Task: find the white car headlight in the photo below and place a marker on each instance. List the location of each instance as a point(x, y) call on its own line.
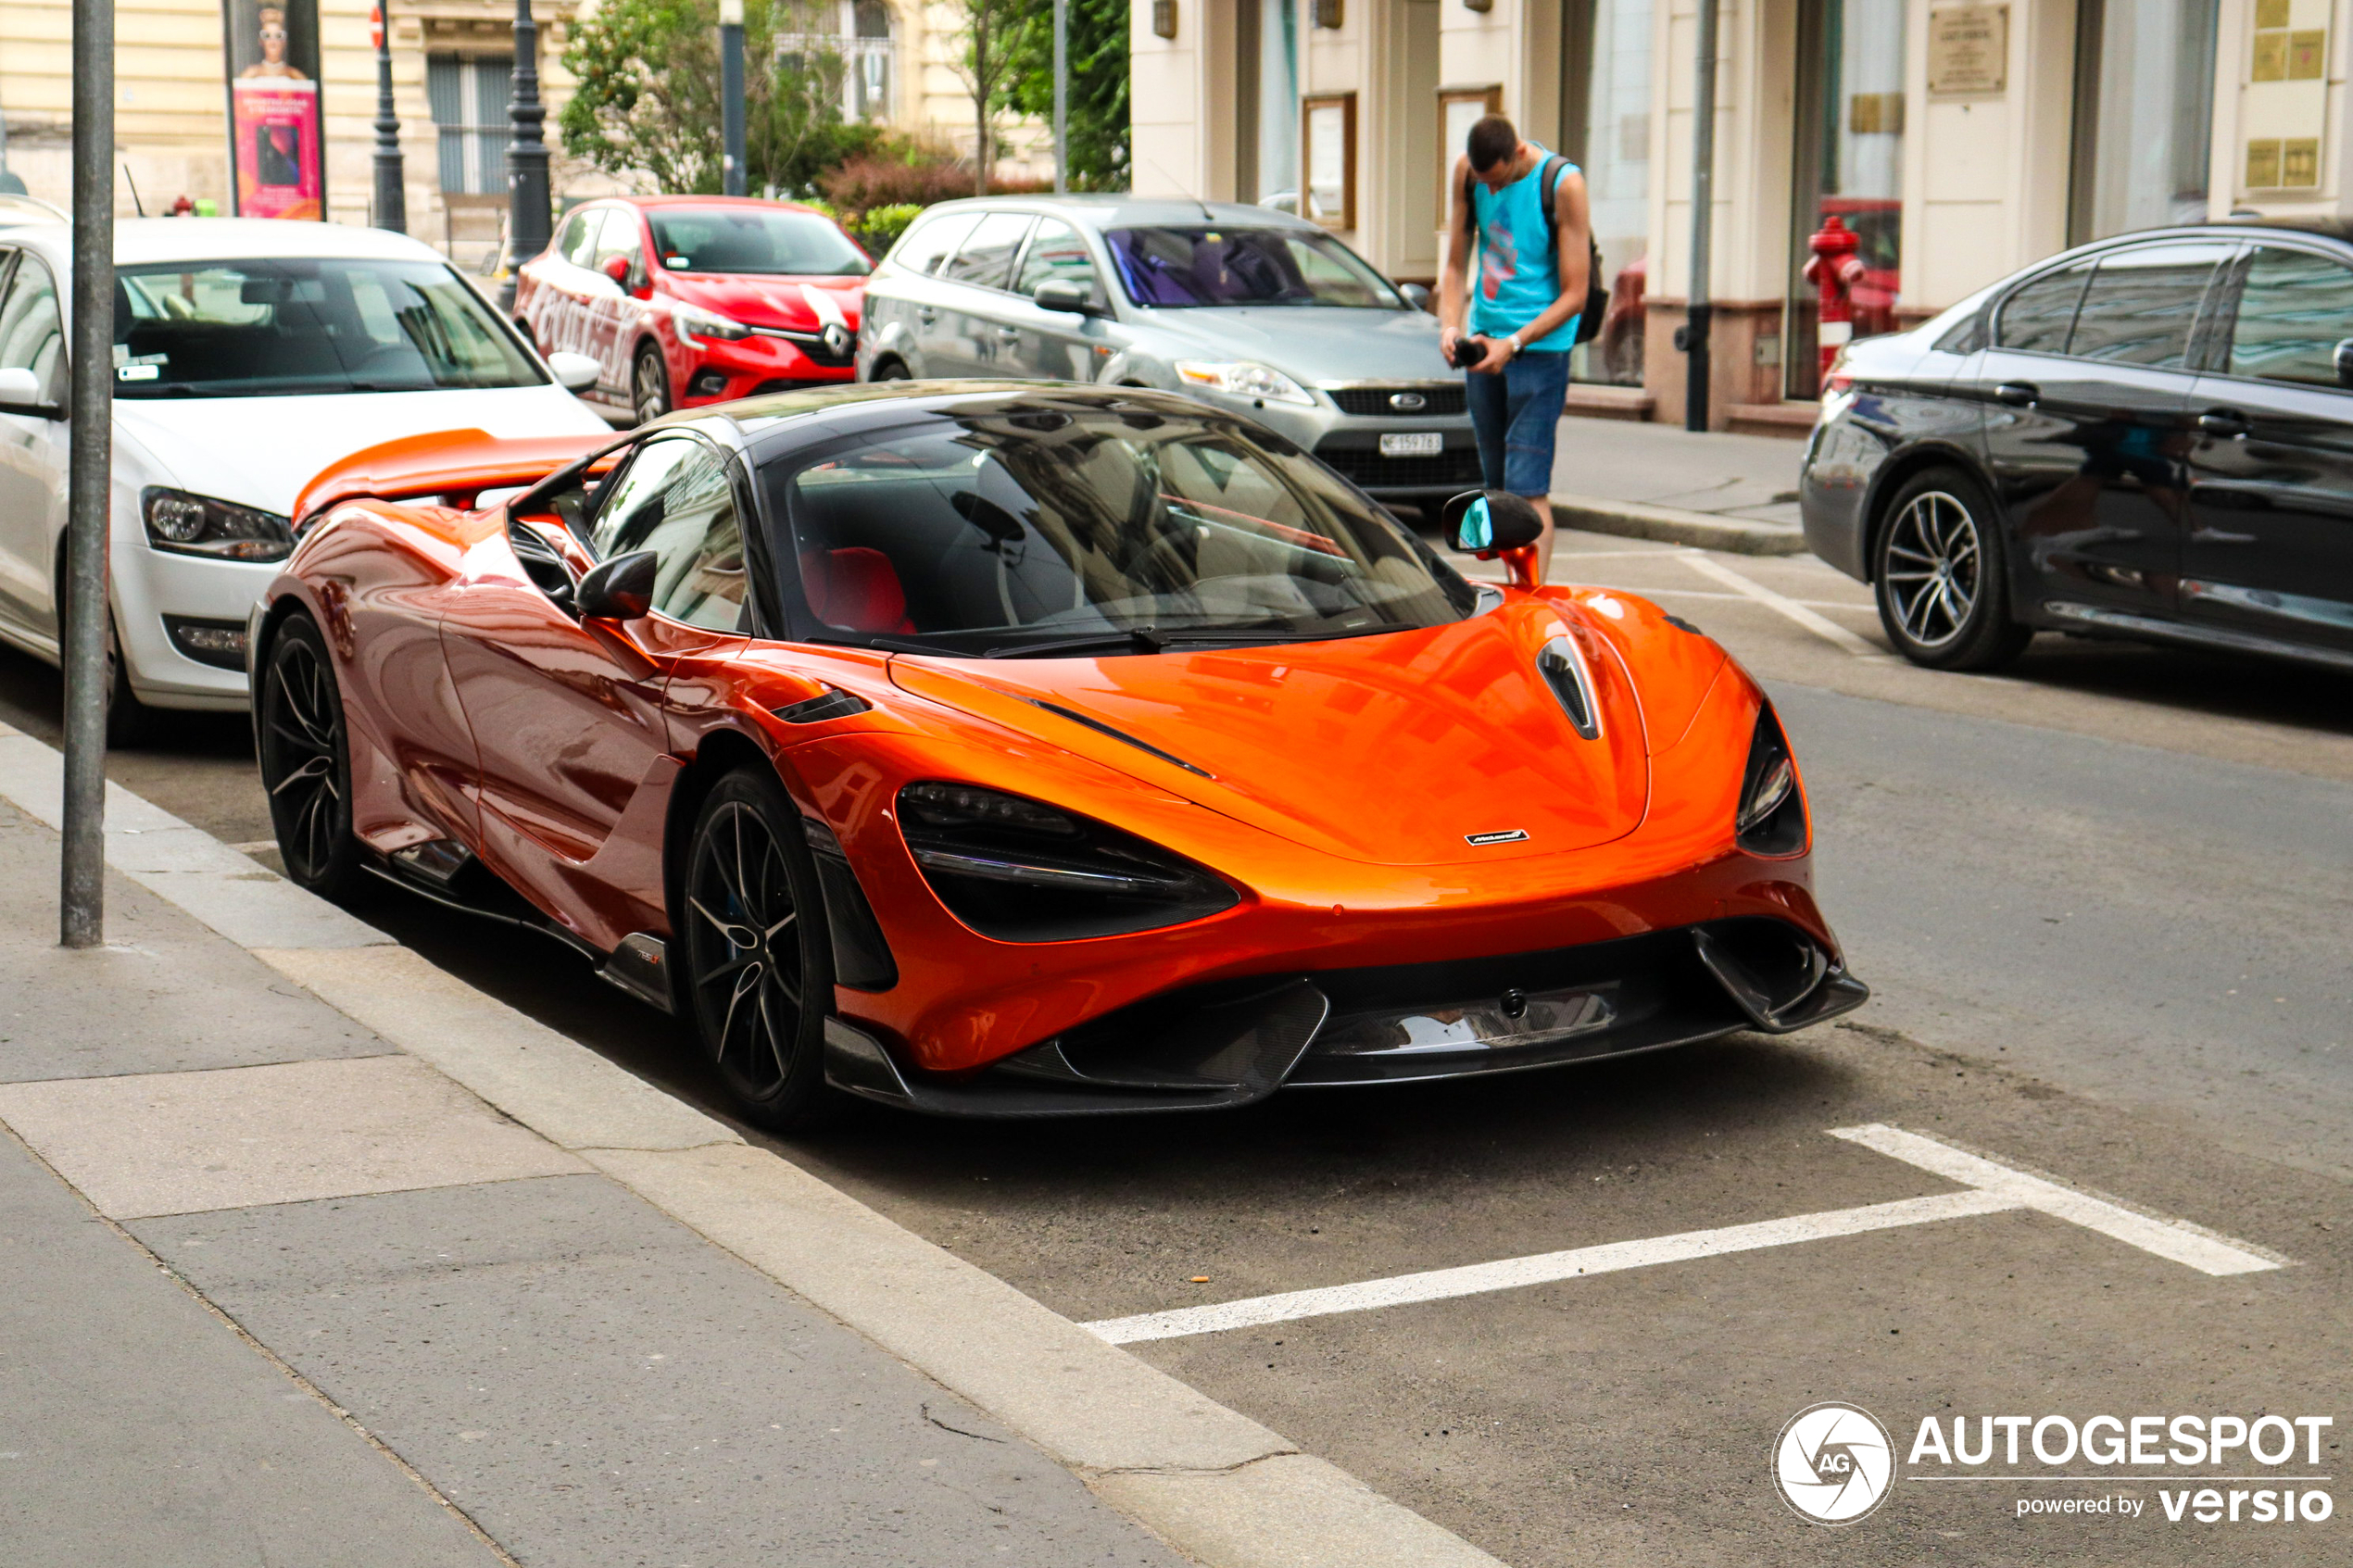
point(1243, 378)
point(694, 323)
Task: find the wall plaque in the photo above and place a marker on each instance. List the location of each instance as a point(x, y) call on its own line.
point(1968, 49)
point(2305, 54)
point(2300, 163)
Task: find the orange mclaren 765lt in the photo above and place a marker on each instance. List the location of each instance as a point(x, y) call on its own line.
point(1024, 750)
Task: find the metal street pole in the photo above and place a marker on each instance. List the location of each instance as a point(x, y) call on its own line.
point(731, 94)
point(1699, 312)
point(392, 182)
point(528, 219)
point(89, 478)
point(1061, 96)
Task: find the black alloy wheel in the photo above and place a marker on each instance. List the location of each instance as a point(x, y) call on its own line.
point(649, 384)
point(305, 759)
point(759, 960)
point(1940, 576)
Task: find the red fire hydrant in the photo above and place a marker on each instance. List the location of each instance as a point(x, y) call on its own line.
point(1835, 270)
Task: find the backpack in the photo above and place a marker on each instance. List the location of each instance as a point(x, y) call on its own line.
point(1589, 320)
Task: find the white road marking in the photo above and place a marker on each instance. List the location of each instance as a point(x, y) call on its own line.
point(2175, 1239)
point(1990, 1187)
point(1545, 1268)
point(1822, 626)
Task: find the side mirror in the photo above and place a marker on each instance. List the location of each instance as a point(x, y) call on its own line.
point(1060, 294)
point(20, 393)
point(2344, 363)
point(1484, 522)
point(617, 269)
point(1416, 295)
point(575, 373)
point(620, 589)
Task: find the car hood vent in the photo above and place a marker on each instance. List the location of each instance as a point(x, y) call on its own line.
point(1562, 663)
point(1059, 711)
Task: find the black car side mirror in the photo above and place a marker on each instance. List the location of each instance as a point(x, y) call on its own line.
point(2344, 362)
point(1060, 294)
point(1482, 522)
point(620, 589)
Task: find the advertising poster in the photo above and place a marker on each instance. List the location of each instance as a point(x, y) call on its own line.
point(276, 151)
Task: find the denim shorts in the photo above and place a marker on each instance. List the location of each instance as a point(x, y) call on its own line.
point(1517, 415)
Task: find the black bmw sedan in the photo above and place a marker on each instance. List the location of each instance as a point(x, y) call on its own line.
point(2150, 436)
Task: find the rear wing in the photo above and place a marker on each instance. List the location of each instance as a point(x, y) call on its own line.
point(451, 467)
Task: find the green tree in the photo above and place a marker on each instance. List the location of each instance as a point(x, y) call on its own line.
point(646, 105)
point(1097, 85)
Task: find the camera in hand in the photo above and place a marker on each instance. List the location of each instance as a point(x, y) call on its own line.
point(1468, 351)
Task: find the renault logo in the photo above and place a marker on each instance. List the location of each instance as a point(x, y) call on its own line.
point(1408, 402)
point(837, 336)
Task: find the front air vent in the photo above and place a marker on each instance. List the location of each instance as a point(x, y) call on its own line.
point(1562, 663)
point(832, 703)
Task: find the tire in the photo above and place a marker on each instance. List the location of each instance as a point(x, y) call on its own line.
point(305, 759)
point(130, 723)
point(1940, 573)
point(649, 396)
point(890, 370)
point(759, 967)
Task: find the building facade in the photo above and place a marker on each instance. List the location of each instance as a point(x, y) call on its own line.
point(1959, 139)
point(452, 67)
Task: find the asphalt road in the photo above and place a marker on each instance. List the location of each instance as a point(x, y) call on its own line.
point(2101, 900)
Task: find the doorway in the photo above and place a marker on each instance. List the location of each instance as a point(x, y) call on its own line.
point(2143, 114)
point(1850, 166)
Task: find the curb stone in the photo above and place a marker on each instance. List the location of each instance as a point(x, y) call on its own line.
point(1208, 1480)
point(1671, 525)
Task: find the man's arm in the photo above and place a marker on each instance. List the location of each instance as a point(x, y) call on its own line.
point(1572, 238)
point(1454, 279)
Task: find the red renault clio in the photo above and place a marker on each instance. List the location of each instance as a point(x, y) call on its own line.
point(683, 300)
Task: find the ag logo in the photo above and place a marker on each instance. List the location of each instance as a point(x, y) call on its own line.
point(1833, 1463)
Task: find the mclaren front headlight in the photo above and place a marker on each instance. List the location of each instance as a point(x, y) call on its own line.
point(1771, 820)
point(1018, 869)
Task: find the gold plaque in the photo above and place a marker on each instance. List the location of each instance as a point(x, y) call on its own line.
point(2300, 163)
point(1968, 49)
point(2304, 53)
point(2270, 58)
point(2270, 13)
point(1875, 113)
point(2262, 166)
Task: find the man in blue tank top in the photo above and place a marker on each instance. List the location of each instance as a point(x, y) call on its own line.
point(1522, 317)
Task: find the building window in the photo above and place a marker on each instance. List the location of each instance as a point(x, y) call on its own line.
point(1606, 127)
point(468, 94)
point(1850, 166)
point(2143, 114)
point(852, 37)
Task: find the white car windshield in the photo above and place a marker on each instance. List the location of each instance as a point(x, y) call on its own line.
point(283, 328)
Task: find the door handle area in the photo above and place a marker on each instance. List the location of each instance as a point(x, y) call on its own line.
point(2017, 394)
point(2227, 423)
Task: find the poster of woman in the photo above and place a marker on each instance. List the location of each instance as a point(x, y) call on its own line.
point(275, 118)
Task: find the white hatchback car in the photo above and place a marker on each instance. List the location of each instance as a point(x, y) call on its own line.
point(248, 355)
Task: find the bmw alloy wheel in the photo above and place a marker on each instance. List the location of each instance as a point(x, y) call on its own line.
point(1935, 568)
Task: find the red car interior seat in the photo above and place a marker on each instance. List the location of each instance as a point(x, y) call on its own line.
point(856, 589)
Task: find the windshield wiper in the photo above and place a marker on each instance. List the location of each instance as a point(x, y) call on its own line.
point(1136, 640)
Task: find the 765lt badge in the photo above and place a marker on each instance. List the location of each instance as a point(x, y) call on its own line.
point(1507, 836)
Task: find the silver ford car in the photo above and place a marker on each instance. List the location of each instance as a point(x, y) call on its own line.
point(1242, 307)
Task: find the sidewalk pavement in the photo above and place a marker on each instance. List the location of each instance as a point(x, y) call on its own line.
point(312, 1255)
point(1716, 491)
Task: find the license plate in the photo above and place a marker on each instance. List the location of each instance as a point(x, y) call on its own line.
point(1420, 443)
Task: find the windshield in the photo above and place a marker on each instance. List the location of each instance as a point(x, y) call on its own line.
point(1035, 529)
point(736, 239)
point(262, 329)
point(1177, 267)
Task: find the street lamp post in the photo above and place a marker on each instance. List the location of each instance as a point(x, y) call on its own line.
point(392, 182)
point(527, 214)
point(90, 470)
point(731, 95)
point(1061, 96)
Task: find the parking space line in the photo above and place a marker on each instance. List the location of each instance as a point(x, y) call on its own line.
point(1990, 1187)
point(1546, 1268)
point(1820, 625)
point(2175, 1239)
